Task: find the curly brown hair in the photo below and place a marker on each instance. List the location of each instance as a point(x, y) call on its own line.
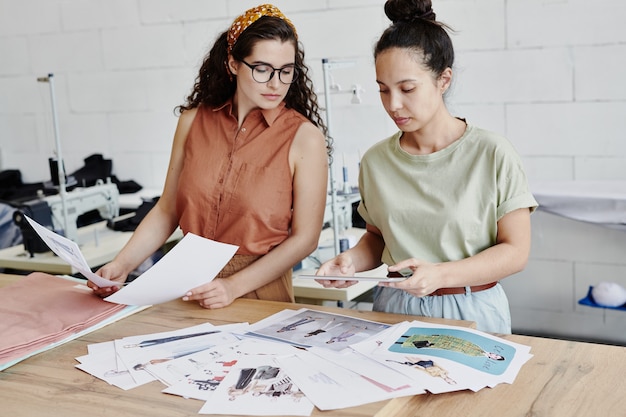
point(215, 85)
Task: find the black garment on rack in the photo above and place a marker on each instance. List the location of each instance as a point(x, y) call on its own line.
point(97, 168)
point(14, 190)
point(130, 224)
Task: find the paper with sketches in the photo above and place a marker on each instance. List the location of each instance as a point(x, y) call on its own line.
point(431, 374)
point(203, 371)
point(306, 328)
point(257, 385)
point(364, 366)
point(206, 370)
point(69, 251)
point(173, 371)
point(192, 262)
point(203, 381)
point(103, 364)
point(246, 369)
point(136, 353)
point(455, 358)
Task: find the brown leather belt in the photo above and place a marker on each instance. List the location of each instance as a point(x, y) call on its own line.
point(454, 290)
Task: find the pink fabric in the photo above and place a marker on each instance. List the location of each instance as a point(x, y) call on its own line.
point(41, 309)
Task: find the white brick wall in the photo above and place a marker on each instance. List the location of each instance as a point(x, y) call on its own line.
point(567, 257)
point(548, 74)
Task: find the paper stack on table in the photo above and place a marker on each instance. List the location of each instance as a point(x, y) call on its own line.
point(297, 359)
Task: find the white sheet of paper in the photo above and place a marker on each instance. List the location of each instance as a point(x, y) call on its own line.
point(331, 387)
point(69, 251)
point(103, 365)
point(192, 262)
point(364, 366)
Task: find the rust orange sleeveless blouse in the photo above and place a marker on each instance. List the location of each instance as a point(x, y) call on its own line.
point(236, 185)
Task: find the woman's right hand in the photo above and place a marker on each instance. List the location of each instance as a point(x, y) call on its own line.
point(112, 272)
point(341, 265)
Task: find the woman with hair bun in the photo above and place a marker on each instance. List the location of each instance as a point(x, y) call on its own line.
point(248, 165)
point(446, 203)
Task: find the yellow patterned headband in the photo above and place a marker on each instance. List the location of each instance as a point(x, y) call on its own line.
point(249, 17)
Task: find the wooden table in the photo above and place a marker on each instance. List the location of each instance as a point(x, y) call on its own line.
point(563, 378)
point(97, 243)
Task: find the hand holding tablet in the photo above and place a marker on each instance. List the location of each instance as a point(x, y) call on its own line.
point(352, 278)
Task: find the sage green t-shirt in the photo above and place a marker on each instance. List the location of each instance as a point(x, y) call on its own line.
point(442, 206)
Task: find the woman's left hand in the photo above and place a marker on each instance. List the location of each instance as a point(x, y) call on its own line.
point(425, 280)
point(215, 294)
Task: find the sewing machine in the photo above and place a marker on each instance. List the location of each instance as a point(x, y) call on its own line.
point(61, 214)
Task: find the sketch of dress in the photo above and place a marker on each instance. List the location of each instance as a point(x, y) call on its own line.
point(343, 337)
point(249, 380)
point(429, 367)
point(208, 384)
point(295, 324)
point(325, 328)
point(277, 389)
point(245, 376)
point(446, 342)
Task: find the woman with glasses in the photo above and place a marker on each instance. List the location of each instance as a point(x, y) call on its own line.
point(248, 165)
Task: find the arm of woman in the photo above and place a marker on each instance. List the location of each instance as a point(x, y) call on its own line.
point(508, 256)
point(158, 224)
point(309, 164)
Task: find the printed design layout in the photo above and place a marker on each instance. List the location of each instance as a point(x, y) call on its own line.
point(473, 350)
point(308, 328)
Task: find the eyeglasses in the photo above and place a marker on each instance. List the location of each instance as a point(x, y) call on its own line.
point(262, 73)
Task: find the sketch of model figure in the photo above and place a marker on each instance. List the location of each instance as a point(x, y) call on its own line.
point(325, 328)
point(247, 375)
point(427, 366)
point(212, 381)
point(295, 324)
point(207, 384)
point(343, 337)
point(278, 389)
point(447, 342)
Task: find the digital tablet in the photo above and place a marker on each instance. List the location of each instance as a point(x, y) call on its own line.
point(353, 278)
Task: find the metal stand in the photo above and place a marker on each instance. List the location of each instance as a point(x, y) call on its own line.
point(60, 166)
point(327, 66)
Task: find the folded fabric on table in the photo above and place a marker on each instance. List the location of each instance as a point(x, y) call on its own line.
point(41, 309)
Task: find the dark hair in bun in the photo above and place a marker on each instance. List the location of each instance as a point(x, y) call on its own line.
point(407, 11)
point(414, 27)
